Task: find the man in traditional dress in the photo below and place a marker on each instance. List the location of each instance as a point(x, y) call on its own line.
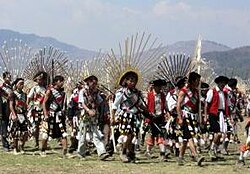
point(18, 116)
point(230, 90)
point(35, 99)
point(173, 129)
point(145, 127)
point(89, 100)
point(187, 110)
point(156, 102)
point(216, 111)
point(73, 117)
point(5, 92)
point(104, 119)
point(54, 107)
point(204, 137)
point(127, 105)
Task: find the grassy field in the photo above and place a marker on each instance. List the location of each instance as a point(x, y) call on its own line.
point(32, 162)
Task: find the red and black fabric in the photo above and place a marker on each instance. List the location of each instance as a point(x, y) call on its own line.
point(57, 126)
point(5, 91)
point(193, 97)
point(155, 123)
point(213, 107)
point(190, 127)
point(73, 108)
point(151, 106)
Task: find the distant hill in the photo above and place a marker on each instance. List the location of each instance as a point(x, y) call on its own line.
point(188, 47)
point(234, 62)
point(224, 59)
point(37, 42)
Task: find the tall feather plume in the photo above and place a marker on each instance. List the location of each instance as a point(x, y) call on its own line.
point(80, 69)
point(95, 66)
point(203, 67)
point(207, 73)
point(140, 53)
point(48, 59)
point(74, 72)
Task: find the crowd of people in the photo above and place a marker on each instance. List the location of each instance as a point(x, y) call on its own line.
point(176, 116)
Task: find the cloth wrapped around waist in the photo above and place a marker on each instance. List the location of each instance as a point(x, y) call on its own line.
point(188, 114)
point(189, 109)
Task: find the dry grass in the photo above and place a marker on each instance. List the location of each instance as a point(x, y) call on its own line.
point(32, 162)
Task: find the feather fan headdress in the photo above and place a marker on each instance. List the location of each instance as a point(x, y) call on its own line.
point(173, 66)
point(81, 69)
point(50, 60)
point(15, 56)
point(139, 54)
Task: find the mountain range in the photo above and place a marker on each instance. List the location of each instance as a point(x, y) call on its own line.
point(233, 62)
point(188, 47)
point(225, 60)
point(36, 42)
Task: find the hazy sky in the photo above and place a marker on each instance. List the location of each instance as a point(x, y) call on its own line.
point(102, 24)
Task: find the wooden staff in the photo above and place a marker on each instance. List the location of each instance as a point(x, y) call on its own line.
point(111, 115)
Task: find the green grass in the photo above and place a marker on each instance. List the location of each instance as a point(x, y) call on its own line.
point(55, 165)
point(32, 162)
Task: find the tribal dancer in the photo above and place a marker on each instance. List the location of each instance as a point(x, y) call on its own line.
point(145, 126)
point(230, 91)
point(18, 116)
point(127, 104)
point(104, 119)
point(187, 110)
point(173, 129)
point(5, 92)
point(34, 100)
point(54, 107)
point(204, 126)
point(157, 107)
point(89, 100)
point(132, 70)
point(73, 117)
point(216, 111)
point(174, 68)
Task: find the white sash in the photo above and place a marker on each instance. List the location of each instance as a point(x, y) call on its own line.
point(223, 125)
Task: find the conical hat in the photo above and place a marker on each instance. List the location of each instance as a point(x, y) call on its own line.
point(128, 74)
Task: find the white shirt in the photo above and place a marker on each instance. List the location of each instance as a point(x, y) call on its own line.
point(221, 97)
point(37, 90)
point(171, 100)
point(83, 99)
point(119, 98)
point(158, 104)
point(248, 104)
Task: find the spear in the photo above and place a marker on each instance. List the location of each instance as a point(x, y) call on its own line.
point(52, 71)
